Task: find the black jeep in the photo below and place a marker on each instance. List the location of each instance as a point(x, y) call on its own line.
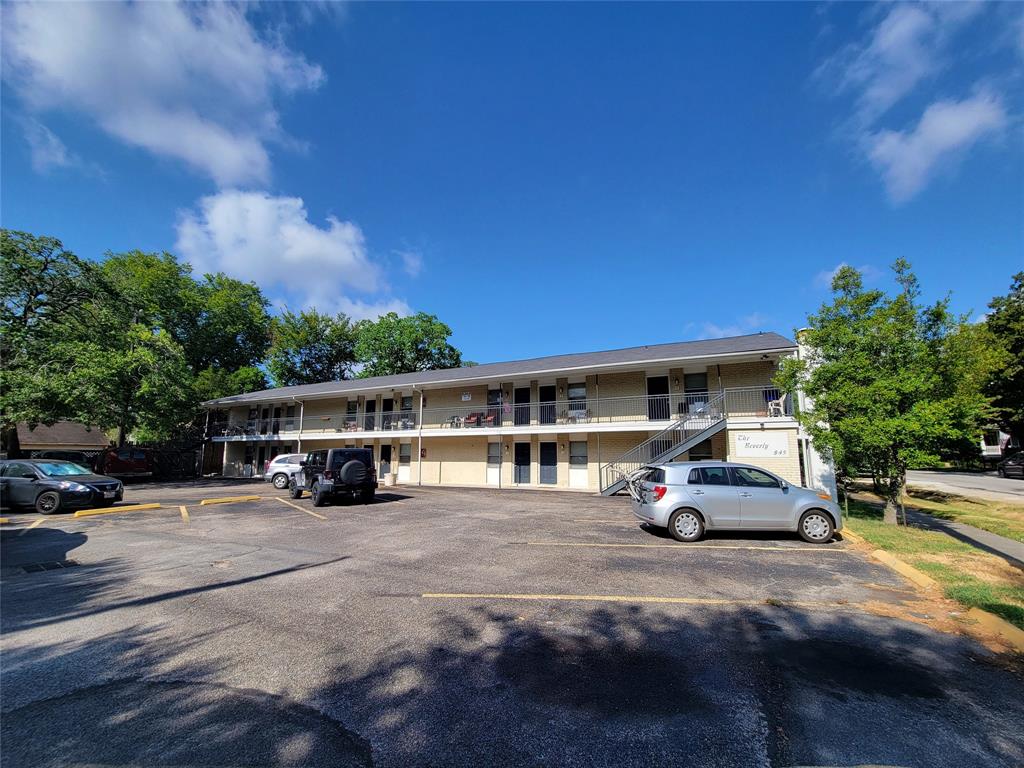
point(333, 472)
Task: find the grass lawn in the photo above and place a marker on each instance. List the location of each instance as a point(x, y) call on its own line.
point(1000, 517)
point(966, 574)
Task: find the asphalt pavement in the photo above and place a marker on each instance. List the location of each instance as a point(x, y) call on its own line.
point(984, 485)
point(462, 627)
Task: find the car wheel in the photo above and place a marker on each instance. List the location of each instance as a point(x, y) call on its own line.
point(47, 502)
point(280, 481)
point(367, 496)
point(319, 499)
point(685, 525)
point(293, 490)
point(816, 527)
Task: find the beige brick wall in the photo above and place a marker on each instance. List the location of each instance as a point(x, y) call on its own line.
point(632, 384)
point(787, 467)
point(744, 374)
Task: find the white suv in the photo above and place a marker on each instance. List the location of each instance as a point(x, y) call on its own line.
point(279, 469)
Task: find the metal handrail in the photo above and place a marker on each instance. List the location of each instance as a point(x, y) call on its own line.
point(653, 448)
point(760, 401)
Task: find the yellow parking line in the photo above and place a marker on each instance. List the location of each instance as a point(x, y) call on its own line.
point(296, 506)
point(228, 500)
point(23, 531)
point(184, 514)
point(5, 519)
point(681, 547)
point(115, 510)
point(620, 599)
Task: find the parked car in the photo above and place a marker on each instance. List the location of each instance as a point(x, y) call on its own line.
point(689, 498)
point(51, 485)
point(75, 457)
point(334, 473)
point(126, 462)
point(1012, 466)
point(280, 469)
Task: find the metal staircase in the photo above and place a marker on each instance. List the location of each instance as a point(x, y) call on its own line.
point(688, 431)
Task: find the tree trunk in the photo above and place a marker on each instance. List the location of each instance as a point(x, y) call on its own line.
point(11, 443)
point(889, 515)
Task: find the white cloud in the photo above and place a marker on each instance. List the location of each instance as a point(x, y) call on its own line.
point(268, 239)
point(908, 159)
point(412, 262)
point(904, 48)
point(747, 324)
point(193, 82)
point(46, 150)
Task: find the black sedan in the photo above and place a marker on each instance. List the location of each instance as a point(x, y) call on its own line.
point(51, 485)
point(1011, 467)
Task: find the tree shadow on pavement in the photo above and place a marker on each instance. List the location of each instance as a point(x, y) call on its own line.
point(627, 685)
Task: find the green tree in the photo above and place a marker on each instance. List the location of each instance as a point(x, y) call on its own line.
point(393, 344)
point(1006, 324)
point(894, 384)
point(310, 347)
point(45, 289)
point(230, 327)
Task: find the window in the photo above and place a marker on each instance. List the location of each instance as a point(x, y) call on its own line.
point(695, 382)
point(289, 415)
point(577, 391)
point(694, 478)
point(351, 411)
point(16, 469)
point(992, 438)
point(714, 476)
point(655, 475)
point(405, 453)
point(493, 454)
point(754, 478)
point(407, 403)
point(578, 453)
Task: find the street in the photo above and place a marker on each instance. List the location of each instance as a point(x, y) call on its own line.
point(986, 485)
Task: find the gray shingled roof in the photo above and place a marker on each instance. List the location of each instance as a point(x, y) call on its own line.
point(680, 350)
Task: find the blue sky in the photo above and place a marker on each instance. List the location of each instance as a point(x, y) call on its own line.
point(545, 178)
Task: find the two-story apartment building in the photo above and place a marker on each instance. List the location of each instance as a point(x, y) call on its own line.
point(575, 421)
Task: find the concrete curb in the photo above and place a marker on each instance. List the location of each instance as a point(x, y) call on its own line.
point(997, 625)
point(115, 510)
point(228, 500)
point(909, 571)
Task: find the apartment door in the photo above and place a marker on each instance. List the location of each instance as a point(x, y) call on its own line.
point(494, 463)
point(385, 459)
point(387, 405)
point(521, 396)
point(275, 427)
point(494, 407)
point(521, 459)
point(549, 463)
point(657, 398)
point(370, 419)
point(578, 476)
point(547, 404)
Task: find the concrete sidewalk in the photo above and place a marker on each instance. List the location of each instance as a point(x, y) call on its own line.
point(1008, 549)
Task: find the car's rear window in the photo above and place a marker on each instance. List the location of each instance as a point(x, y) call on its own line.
point(360, 454)
point(655, 475)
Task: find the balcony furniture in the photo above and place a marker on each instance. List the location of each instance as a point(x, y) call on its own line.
point(579, 416)
point(777, 407)
point(488, 420)
point(473, 420)
point(453, 422)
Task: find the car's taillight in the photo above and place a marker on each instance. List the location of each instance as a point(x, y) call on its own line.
point(266, 466)
point(657, 492)
point(328, 474)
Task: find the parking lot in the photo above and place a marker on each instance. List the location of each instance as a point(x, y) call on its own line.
point(461, 627)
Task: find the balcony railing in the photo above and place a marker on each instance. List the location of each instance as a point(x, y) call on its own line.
point(744, 401)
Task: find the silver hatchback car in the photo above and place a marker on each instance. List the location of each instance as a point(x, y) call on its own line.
point(688, 498)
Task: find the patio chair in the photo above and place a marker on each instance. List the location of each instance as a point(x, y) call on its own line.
point(473, 420)
point(777, 407)
point(488, 420)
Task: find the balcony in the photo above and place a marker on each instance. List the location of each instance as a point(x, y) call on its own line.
point(755, 402)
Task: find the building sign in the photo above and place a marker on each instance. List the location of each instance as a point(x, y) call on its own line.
point(762, 444)
point(466, 397)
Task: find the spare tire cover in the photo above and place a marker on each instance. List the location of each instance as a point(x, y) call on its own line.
point(353, 473)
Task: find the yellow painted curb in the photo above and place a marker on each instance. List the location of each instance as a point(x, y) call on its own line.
point(916, 576)
point(228, 500)
point(115, 510)
point(1003, 628)
point(846, 533)
point(5, 519)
